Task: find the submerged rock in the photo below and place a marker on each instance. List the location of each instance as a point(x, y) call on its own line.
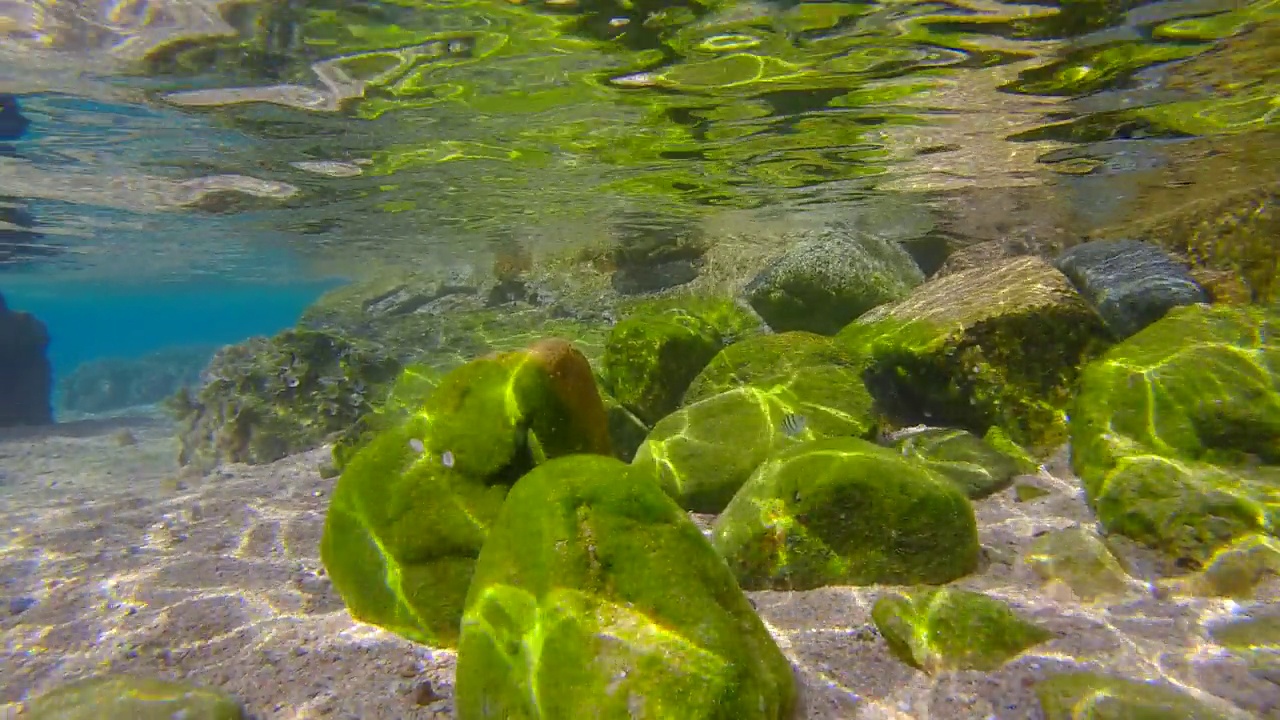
point(801, 361)
point(973, 464)
point(595, 596)
point(1073, 695)
point(1176, 431)
point(956, 351)
point(26, 377)
point(267, 398)
point(945, 629)
point(703, 453)
point(115, 383)
point(823, 283)
point(1130, 283)
point(651, 357)
point(1078, 558)
point(846, 511)
point(135, 698)
point(414, 503)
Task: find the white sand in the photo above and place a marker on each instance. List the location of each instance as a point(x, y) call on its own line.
point(218, 580)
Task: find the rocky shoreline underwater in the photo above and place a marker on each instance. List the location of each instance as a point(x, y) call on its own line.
point(843, 493)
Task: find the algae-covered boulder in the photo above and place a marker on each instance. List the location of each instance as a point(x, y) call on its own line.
point(809, 364)
point(822, 283)
point(596, 596)
point(136, 698)
point(974, 465)
point(1094, 696)
point(998, 346)
point(651, 357)
point(1077, 558)
point(414, 504)
point(702, 453)
point(266, 398)
point(945, 629)
point(1176, 431)
point(407, 395)
point(846, 511)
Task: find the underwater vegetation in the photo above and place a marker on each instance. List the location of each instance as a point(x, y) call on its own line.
point(268, 397)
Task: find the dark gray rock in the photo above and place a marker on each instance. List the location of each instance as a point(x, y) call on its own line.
point(830, 278)
point(26, 377)
point(1130, 283)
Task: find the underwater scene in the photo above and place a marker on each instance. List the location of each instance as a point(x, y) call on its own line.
point(640, 359)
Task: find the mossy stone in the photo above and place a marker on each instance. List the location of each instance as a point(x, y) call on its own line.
point(955, 351)
point(946, 629)
point(413, 506)
point(1080, 560)
point(823, 282)
point(1094, 696)
point(1235, 570)
point(798, 360)
point(965, 459)
point(1176, 431)
point(651, 357)
point(846, 511)
point(135, 698)
point(596, 596)
point(703, 453)
point(267, 398)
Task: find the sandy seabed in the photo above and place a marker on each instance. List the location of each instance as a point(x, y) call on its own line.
point(112, 560)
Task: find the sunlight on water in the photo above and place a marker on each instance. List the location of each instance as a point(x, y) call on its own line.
point(656, 359)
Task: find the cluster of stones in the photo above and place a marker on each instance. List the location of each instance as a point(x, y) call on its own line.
point(533, 511)
point(496, 511)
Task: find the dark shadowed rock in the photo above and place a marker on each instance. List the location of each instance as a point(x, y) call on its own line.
point(1130, 283)
point(26, 378)
point(827, 281)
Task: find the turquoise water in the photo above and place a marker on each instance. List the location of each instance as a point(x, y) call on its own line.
point(764, 313)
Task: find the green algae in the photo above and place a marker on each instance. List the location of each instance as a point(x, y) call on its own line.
point(572, 610)
point(1176, 431)
point(943, 629)
point(948, 354)
point(845, 511)
point(415, 502)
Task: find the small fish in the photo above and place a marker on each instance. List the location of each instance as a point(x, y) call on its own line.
point(447, 458)
point(290, 381)
point(417, 445)
point(793, 424)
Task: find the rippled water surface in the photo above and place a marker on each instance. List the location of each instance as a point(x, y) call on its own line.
point(292, 139)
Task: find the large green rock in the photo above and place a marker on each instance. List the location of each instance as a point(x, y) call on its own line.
point(993, 346)
point(596, 596)
point(703, 453)
point(651, 357)
point(945, 629)
point(1093, 696)
point(807, 363)
point(846, 511)
point(126, 697)
point(1176, 431)
point(413, 506)
point(270, 397)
